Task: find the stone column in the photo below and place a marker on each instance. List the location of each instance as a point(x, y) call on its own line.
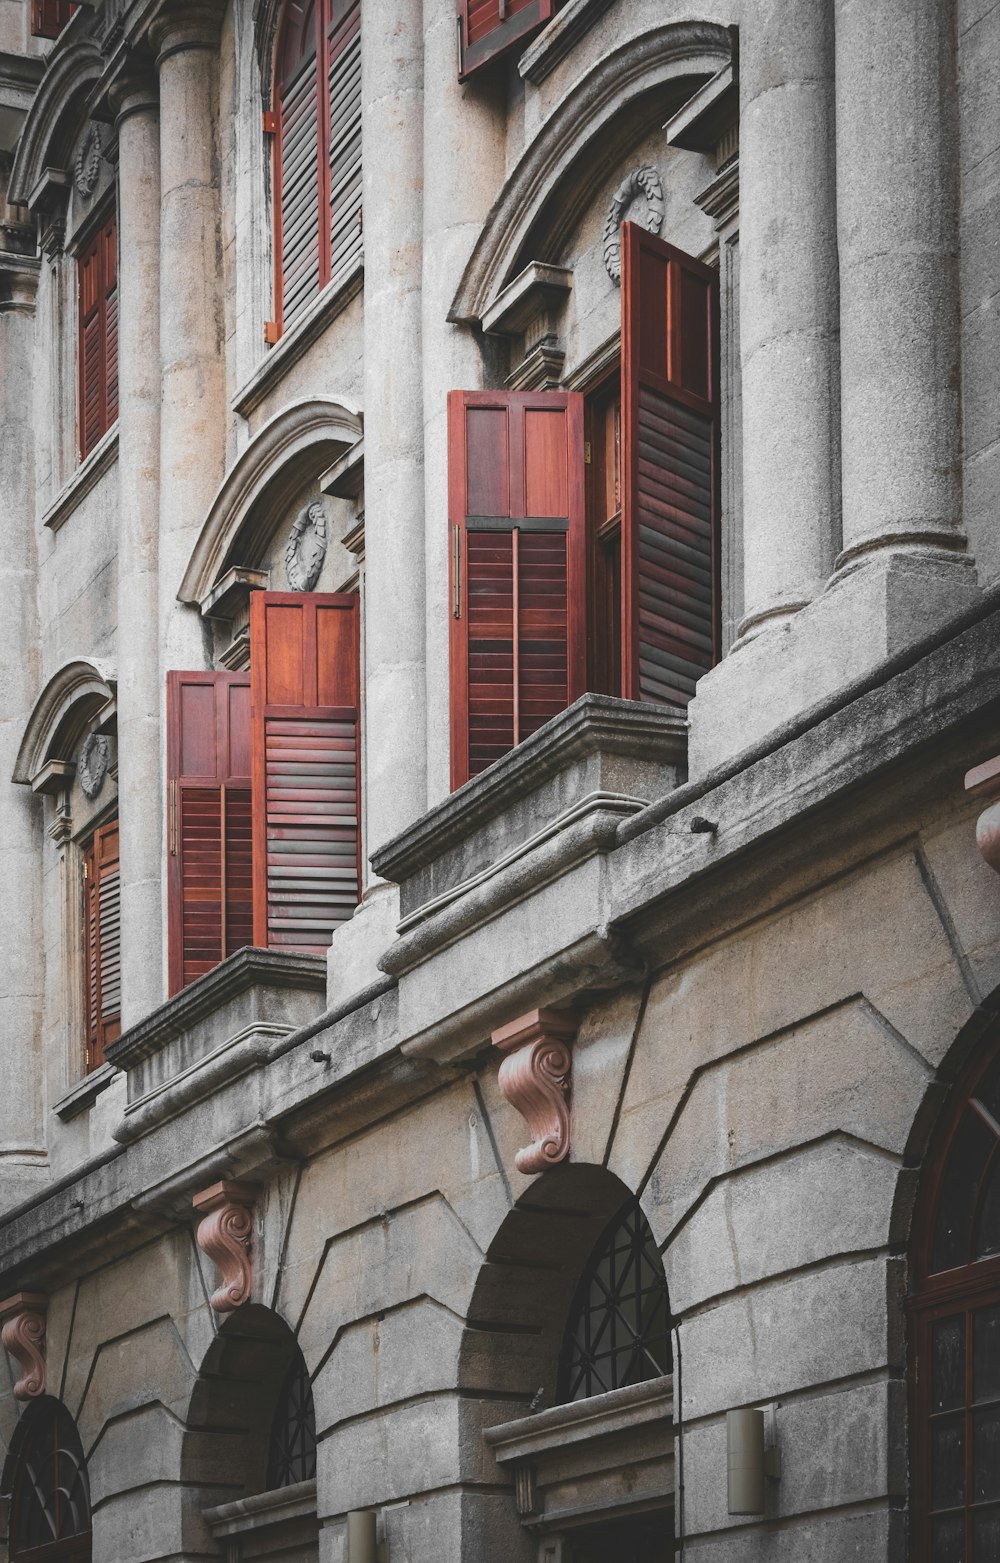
point(22, 1137)
point(788, 308)
point(392, 79)
point(192, 365)
point(140, 792)
point(897, 194)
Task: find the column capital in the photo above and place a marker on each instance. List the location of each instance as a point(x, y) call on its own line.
point(176, 28)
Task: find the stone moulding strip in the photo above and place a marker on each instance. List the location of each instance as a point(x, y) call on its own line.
point(334, 298)
point(225, 1234)
point(86, 476)
point(534, 1077)
point(23, 1336)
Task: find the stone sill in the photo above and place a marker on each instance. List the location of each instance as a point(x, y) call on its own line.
point(334, 298)
point(87, 474)
point(556, 40)
point(264, 1509)
point(84, 1094)
point(583, 1420)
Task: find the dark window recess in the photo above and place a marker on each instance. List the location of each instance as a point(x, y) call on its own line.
point(97, 346)
point(292, 1450)
point(102, 942)
point(49, 17)
point(956, 1335)
point(317, 152)
point(489, 29)
point(50, 1500)
point(619, 1325)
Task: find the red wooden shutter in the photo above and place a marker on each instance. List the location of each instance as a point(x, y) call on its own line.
point(488, 28)
point(304, 661)
point(210, 890)
point(98, 333)
point(670, 423)
point(49, 17)
point(102, 941)
point(516, 502)
point(344, 141)
point(300, 193)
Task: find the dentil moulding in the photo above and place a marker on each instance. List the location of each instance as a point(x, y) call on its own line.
point(224, 1233)
point(534, 1077)
point(23, 1335)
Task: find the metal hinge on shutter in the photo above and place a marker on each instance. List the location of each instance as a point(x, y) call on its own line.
point(586, 453)
point(270, 122)
point(271, 332)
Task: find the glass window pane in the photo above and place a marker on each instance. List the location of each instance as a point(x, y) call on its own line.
point(952, 1244)
point(986, 1354)
point(948, 1539)
point(986, 1536)
point(947, 1461)
point(948, 1364)
point(988, 1234)
point(986, 1454)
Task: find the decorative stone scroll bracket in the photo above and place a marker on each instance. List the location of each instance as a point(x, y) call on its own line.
point(984, 781)
point(224, 1234)
point(535, 1078)
point(23, 1335)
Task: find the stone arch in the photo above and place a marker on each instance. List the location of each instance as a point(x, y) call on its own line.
point(71, 698)
point(304, 438)
point(611, 107)
point(56, 114)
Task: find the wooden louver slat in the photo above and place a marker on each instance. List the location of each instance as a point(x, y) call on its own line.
point(670, 529)
point(97, 271)
point(304, 657)
point(488, 28)
point(102, 942)
point(210, 824)
point(517, 528)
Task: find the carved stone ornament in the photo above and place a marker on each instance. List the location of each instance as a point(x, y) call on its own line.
point(306, 549)
point(984, 781)
point(638, 199)
point(23, 1335)
point(535, 1078)
point(87, 167)
point(224, 1234)
point(92, 766)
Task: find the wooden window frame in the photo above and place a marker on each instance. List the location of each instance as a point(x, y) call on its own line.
point(101, 249)
point(101, 1030)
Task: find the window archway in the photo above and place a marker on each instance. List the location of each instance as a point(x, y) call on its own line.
point(46, 1479)
point(618, 1331)
point(292, 1449)
point(317, 152)
point(955, 1335)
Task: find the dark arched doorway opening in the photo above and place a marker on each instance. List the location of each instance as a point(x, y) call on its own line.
point(45, 1478)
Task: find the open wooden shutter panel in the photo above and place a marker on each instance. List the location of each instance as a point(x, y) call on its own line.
point(518, 632)
point(210, 878)
point(488, 28)
point(49, 17)
point(304, 659)
point(670, 424)
point(98, 336)
point(102, 942)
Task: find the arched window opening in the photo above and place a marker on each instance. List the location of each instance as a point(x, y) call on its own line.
point(956, 1332)
point(317, 151)
point(50, 1498)
point(292, 1449)
point(619, 1324)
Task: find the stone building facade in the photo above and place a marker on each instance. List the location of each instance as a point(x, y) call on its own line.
point(448, 1069)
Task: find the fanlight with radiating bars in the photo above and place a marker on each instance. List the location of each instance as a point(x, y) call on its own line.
point(50, 1498)
point(292, 1454)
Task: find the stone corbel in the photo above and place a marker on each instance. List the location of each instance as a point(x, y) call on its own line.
point(534, 1077)
point(983, 781)
point(23, 1336)
point(224, 1234)
point(527, 309)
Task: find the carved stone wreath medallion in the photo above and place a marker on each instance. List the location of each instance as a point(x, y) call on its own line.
point(87, 167)
point(638, 199)
point(306, 549)
point(92, 766)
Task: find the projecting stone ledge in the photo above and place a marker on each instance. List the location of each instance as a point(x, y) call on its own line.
point(599, 760)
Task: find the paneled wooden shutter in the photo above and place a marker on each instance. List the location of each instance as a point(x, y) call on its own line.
point(518, 632)
point(49, 17)
point(102, 941)
point(670, 423)
point(210, 886)
point(98, 336)
point(317, 150)
point(304, 661)
point(488, 28)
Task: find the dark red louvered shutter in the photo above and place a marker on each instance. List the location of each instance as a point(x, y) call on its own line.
point(102, 939)
point(110, 281)
point(98, 335)
point(516, 502)
point(488, 28)
point(670, 505)
point(210, 880)
point(49, 17)
point(344, 139)
point(304, 660)
point(300, 194)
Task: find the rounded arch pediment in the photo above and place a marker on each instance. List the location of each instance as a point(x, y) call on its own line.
point(603, 114)
point(70, 698)
point(300, 441)
point(56, 115)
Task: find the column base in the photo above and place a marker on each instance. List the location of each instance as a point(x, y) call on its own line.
point(352, 963)
point(877, 607)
